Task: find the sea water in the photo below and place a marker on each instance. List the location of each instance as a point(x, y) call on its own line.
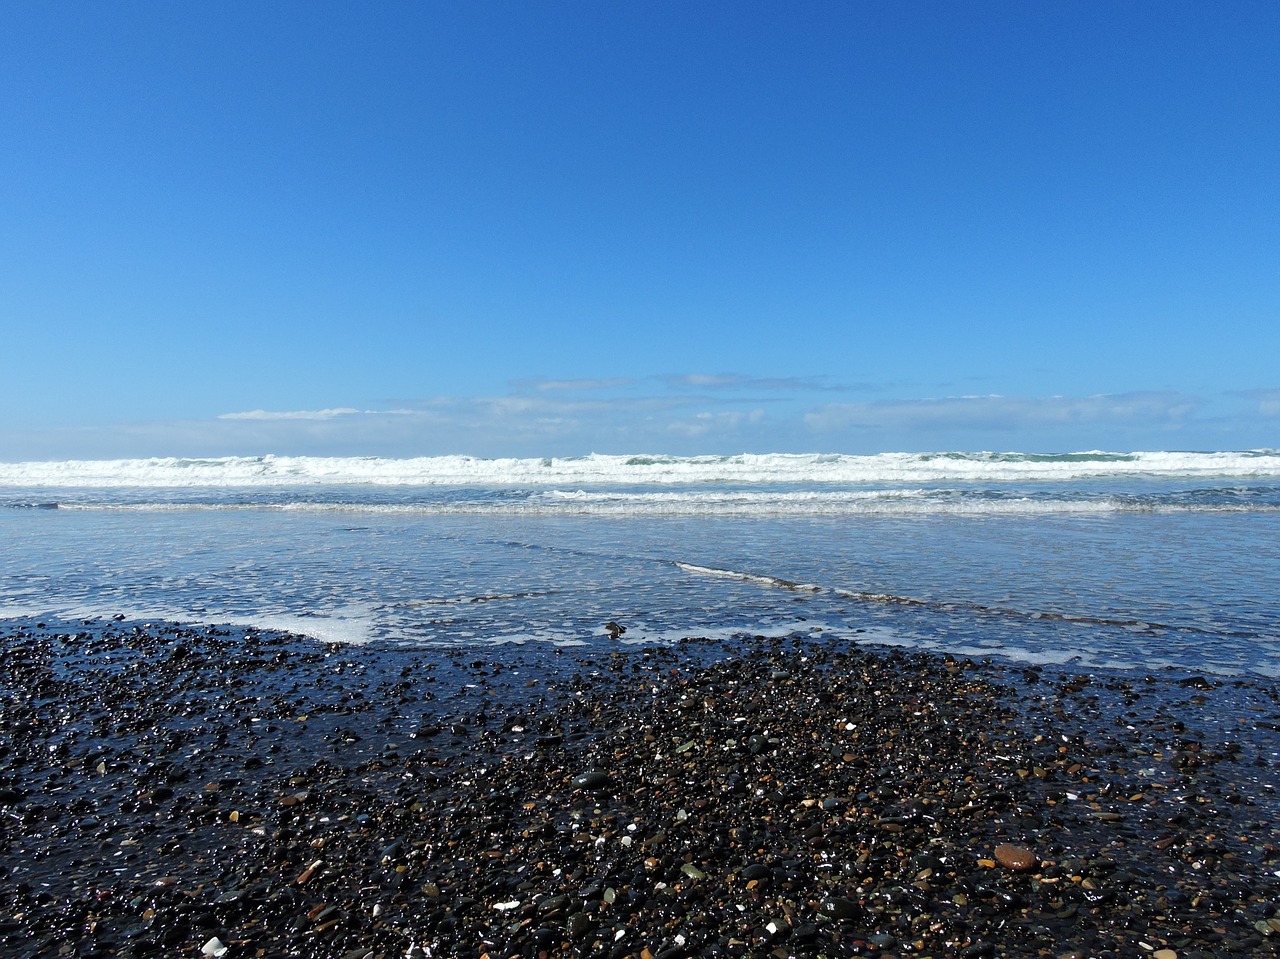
point(1134, 561)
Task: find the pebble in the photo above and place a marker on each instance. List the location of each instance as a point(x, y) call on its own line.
point(841, 908)
point(1017, 858)
point(847, 808)
point(592, 781)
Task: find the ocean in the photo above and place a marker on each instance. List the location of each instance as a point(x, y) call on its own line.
point(1094, 561)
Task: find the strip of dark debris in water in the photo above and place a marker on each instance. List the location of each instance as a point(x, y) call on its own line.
point(166, 790)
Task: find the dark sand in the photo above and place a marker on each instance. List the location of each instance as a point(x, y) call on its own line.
point(166, 792)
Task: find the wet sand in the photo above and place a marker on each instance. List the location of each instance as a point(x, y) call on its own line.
point(165, 791)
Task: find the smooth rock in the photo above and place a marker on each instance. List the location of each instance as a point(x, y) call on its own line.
point(592, 781)
point(1016, 858)
point(841, 908)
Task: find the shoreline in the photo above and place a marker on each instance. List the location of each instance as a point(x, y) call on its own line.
point(164, 787)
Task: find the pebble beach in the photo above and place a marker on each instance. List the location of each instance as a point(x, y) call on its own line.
point(230, 792)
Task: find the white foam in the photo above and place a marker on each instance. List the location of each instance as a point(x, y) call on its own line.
point(820, 502)
point(348, 626)
point(746, 468)
point(683, 503)
point(347, 629)
point(758, 579)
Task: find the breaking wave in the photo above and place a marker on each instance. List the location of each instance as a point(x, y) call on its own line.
point(746, 468)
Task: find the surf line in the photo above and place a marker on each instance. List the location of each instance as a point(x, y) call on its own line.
point(891, 599)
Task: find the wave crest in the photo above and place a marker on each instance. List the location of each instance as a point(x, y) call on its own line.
point(661, 470)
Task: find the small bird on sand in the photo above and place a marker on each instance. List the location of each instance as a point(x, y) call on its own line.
point(614, 630)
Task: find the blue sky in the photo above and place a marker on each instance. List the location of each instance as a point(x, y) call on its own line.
point(556, 228)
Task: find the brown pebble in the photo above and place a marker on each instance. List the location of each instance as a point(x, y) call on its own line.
point(1017, 858)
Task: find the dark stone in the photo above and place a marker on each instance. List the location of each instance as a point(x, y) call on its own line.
point(592, 781)
point(841, 909)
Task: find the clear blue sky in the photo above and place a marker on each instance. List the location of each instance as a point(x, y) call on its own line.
point(407, 228)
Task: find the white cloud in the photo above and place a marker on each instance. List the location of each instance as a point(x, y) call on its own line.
point(292, 415)
point(736, 381)
point(662, 414)
point(708, 424)
point(1268, 401)
point(703, 380)
point(1004, 413)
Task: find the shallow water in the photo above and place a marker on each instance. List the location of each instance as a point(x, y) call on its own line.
point(1117, 572)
